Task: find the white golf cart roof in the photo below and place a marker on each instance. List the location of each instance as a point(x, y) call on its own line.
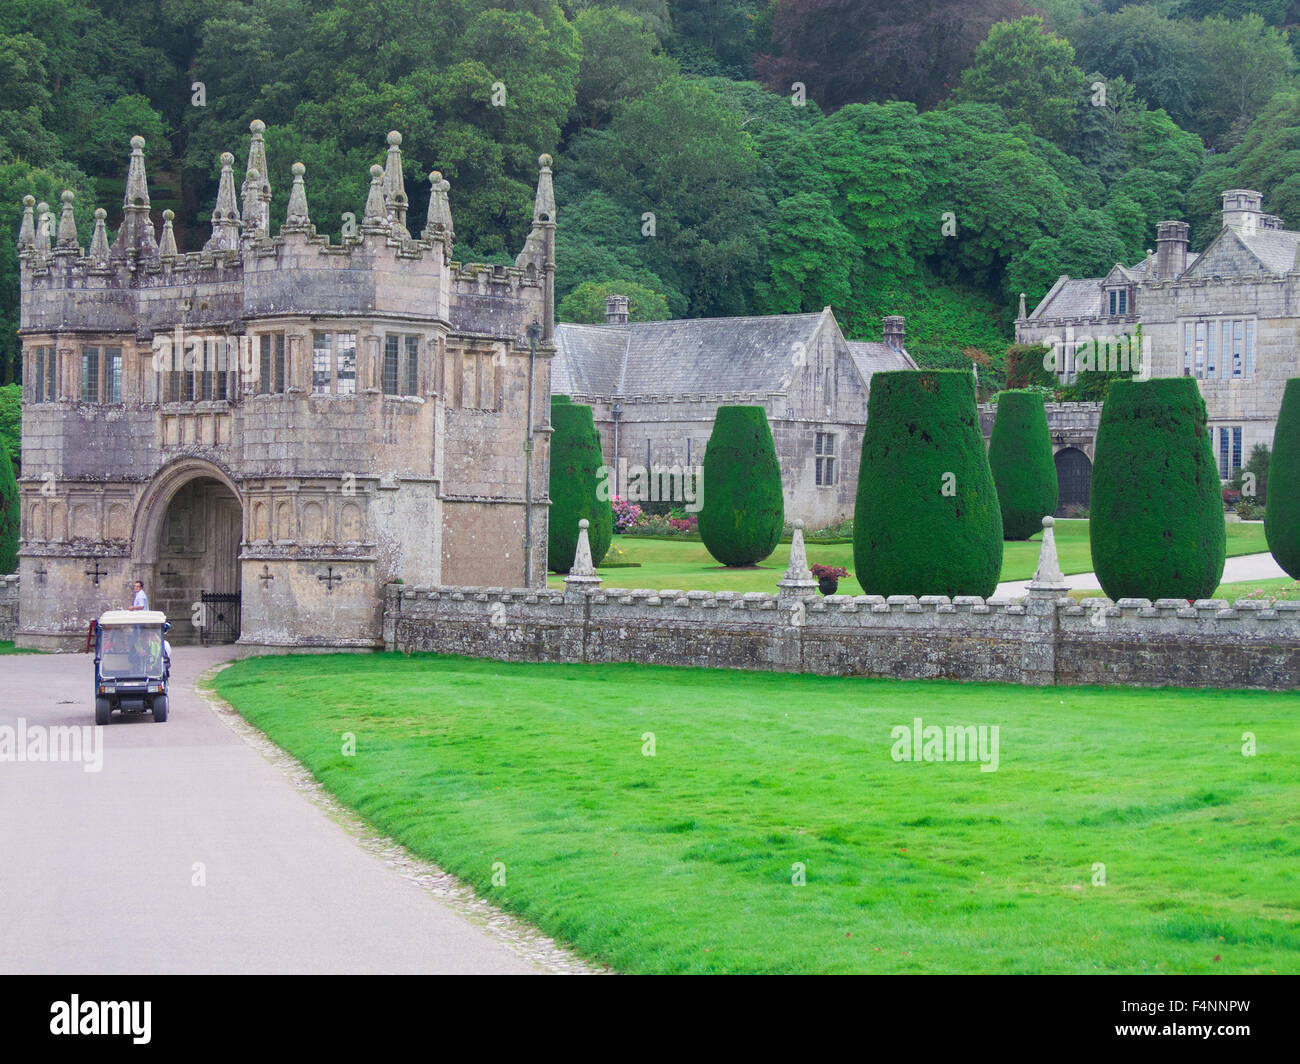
point(120, 618)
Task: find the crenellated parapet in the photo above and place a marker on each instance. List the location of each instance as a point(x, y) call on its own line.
point(143, 280)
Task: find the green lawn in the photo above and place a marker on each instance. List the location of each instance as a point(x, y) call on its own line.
point(683, 862)
point(688, 566)
point(1282, 587)
point(9, 648)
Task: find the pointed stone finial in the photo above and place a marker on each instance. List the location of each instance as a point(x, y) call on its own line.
point(1150, 274)
point(225, 215)
point(395, 202)
point(798, 582)
point(167, 246)
point(99, 238)
point(438, 226)
point(295, 216)
point(1048, 581)
point(253, 212)
point(257, 161)
point(68, 224)
point(582, 577)
point(27, 230)
point(544, 203)
point(375, 218)
point(1022, 315)
point(44, 219)
point(137, 186)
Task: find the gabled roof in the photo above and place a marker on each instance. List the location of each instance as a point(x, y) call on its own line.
point(876, 357)
point(1275, 248)
point(700, 356)
point(1071, 299)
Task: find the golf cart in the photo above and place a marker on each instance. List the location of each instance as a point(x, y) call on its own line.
point(132, 663)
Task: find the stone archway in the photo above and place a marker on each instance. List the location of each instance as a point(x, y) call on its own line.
point(187, 541)
point(1073, 478)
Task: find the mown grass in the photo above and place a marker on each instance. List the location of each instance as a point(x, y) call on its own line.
point(689, 566)
point(9, 648)
point(1282, 587)
point(683, 862)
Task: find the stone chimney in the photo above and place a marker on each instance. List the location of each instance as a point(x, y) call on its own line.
point(893, 326)
point(616, 310)
point(1242, 208)
point(1171, 250)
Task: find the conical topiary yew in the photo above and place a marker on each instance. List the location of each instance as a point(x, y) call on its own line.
point(1156, 527)
point(1282, 515)
point(743, 509)
point(1020, 454)
point(927, 520)
point(576, 487)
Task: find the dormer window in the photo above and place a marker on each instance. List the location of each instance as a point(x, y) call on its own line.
point(1119, 302)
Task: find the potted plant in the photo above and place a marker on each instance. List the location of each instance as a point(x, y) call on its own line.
point(828, 577)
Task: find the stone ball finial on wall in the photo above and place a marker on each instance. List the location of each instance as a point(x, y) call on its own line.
point(394, 137)
point(257, 126)
point(543, 160)
point(137, 143)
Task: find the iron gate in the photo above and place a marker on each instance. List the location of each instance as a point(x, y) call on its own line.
point(220, 616)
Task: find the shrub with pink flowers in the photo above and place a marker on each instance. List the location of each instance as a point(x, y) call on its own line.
point(626, 514)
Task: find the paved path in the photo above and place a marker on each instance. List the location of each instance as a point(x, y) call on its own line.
point(1244, 567)
point(96, 868)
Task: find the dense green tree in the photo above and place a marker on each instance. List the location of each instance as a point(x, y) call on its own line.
point(620, 61)
point(1282, 515)
point(927, 519)
point(586, 303)
point(1252, 478)
point(846, 51)
point(809, 258)
point(743, 508)
point(576, 487)
point(11, 421)
point(1020, 455)
point(1030, 72)
point(9, 514)
point(1156, 527)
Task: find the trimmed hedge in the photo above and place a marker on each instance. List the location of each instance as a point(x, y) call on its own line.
point(1024, 470)
point(1156, 527)
point(743, 509)
point(927, 520)
point(1282, 516)
point(8, 514)
point(576, 487)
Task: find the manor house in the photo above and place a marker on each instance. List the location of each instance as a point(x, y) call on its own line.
point(655, 387)
point(1229, 317)
point(270, 429)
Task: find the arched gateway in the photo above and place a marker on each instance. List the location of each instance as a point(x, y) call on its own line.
point(185, 548)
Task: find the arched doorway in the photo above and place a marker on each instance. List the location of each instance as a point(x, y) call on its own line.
point(189, 532)
point(1074, 479)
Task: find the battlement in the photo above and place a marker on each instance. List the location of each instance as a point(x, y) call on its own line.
point(143, 282)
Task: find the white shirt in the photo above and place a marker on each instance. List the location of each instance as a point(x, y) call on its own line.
point(141, 601)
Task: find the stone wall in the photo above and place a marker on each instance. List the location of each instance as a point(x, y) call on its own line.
point(1035, 640)
point(8, 607)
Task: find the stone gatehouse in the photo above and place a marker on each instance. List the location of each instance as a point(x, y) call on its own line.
point(269, 430)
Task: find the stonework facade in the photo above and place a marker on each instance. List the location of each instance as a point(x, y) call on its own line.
point(1229, 317)
point(276, 423)
point(655, 388)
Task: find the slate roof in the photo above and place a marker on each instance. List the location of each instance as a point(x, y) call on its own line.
point(700, 356)
point(874, 356)
point(1081, 297)
point(1275, 248)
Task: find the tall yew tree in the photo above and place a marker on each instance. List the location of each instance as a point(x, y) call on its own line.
point(743, 509)
point(1020, 454)
point(1156, 527)
point(927, 520)
point(1282, 516)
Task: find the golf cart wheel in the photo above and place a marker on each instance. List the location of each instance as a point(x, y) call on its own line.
point(102, 710)
point(160, 709)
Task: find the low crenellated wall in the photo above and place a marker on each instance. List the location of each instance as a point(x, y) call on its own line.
point(1034, 640)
